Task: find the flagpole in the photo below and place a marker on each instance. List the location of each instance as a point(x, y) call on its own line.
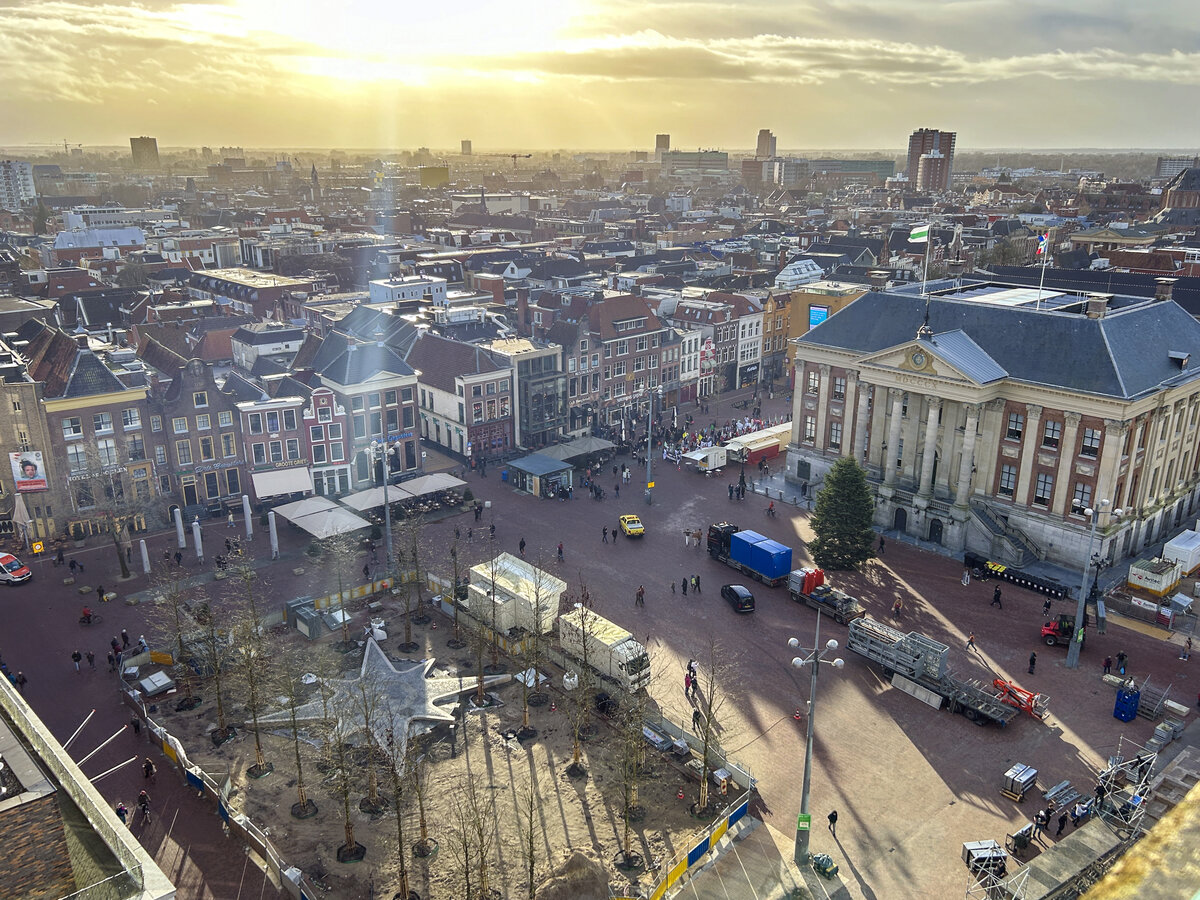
point(925, 271)
point(1044, 245)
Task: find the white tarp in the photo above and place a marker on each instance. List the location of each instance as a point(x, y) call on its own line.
point(282, 481)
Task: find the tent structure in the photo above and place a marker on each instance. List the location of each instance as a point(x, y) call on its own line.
point(417, 487)
point(321, 517)
point(578, 447)
point(431, 484)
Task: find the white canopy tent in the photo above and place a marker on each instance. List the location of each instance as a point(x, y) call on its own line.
point(321, 517)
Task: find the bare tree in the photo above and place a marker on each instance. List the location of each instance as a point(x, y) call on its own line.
point(367, 701)
point(531, 648)
point(473, 828)
point(292, 679)
point(527, 828)
point(341, 552)
point(214, 648)
point(416, 778)
point(580, 710)
point(716, 673)
point(252, 658)
point(171, 615)
point(339, 757)
point(631, 759)
point(398, 770)
point(457, 596)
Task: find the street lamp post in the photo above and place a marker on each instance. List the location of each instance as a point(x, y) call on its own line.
point(650, 441)
point(380, 450)
point(813, 659)
point(1076, 645)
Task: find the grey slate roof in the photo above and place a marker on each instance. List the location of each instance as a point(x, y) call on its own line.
point(957, 348)
point(90, 376)
point(360, 362)
point(1124, 354)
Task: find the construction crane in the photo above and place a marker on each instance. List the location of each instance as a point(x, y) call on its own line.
point(513, 156)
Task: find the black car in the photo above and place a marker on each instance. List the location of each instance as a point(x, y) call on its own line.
point(739, 597)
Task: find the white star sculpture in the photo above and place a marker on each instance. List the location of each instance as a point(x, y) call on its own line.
point(401, 697)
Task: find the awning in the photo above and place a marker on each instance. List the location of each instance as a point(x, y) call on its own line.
point(321, 517)
point(305, 507)
point(373, 497)
point(282, 481)
point(431, 484)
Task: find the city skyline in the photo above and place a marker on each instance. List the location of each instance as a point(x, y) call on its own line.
point(546, 75)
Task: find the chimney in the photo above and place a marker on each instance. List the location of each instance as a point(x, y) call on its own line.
point(1097, 305)
point(879, 279)
point(1163, 288)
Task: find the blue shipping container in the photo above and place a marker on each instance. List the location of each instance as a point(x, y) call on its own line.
point(740, 545)
point(771, 559)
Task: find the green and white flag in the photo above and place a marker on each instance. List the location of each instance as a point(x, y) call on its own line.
point(919, 234)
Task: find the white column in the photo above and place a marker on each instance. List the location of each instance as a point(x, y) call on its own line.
point(850, 437)
point(930, 451)
point(823, 408)
point(893, 441)
point(1029, 445)
point(962, 491)
point(860, 420)
point(1066, 463)
point(1112, 444)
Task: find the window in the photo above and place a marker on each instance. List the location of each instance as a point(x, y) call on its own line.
point(204, 422)
point(183, 452)
point(77, 457)
point(271, 420)
point(408, 417)
point(389, 398)
point(583, 345)
point(224, 418)
point(360, 426)
point(1008, 481)
point(1016, 425)
point(1091, 443)
point(259, 453)
point(207, 454)
point(810, 429)
point(228, 445)
point(1052, 434)
point(72, 427)
point(179, 425)
point(1082, 498)
point(477, 390)
point(392, 420)
point(336, 452)
point(289, 420)
point(102, 423)
point(200, 399)
point(135, 447)
point(814, 382)
point(904, 406)
point(640, 344)
point(318, 453)
point(335, 431)
point(160, 455)
point(233, 481)
point(256, 426)
point(156, 423)
point(622, 348)
point(276, 448)
point(356, 404)
point(293, 448)
point(16, 405)
point(835, 435)
point(324, 414)
point(839, 389)
point(491, 387)
point(571, 365)
point(316, 432)
point(1044, 489)
point(476, 413)
point(131, 418)
point(374, 399)
point(211, 488)
point(106, 452)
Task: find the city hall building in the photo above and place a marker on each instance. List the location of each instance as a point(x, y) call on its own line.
point(990, 417)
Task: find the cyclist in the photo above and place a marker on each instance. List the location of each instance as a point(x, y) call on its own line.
point(86, 618)
point(143, 803)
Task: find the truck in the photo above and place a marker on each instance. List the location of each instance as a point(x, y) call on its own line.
point(808, 586)
point(914, 662)
point(748, 551)
point(607, 648)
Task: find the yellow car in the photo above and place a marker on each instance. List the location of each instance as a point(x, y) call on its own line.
point(632, 526)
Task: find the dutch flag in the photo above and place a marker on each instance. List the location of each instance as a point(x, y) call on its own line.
point(1043, 243)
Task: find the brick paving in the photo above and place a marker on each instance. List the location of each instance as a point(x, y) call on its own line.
point(909, 783)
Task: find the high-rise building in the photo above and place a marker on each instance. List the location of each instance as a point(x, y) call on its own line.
point(16, 185)
point(466, 148)
point(145, 152)
point(662, 143)
point(765, 148)
point(939, 147)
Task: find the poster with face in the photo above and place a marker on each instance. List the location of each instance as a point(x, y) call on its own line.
point(27, 470)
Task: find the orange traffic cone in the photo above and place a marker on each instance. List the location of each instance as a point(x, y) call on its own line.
point(553, 708)
point(796, 714)
point(679, 796)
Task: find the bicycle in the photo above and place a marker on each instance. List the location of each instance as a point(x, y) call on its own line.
point(96, 619)
point(146, 817)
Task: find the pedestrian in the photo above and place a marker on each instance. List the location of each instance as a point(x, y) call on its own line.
point(178, 558)
point(470, 534)
point(58, 560)
point(116, 645)
point(996, 597)
point(560, 551)
point(604, 535)
point(881, 545)
point(72, 565)
point(143, 647)
point(897, 606)
point(124, 639)
point(683, 586)
point(148, 770)
point(1107, 664)
point(696, 583)
point(100, 593)
point(521, 547)
point(229, 521)
point(122, 813)
point(367, 571)
point(971, 641)
point(112, 662)
point(1186, 652)
point(167, 553)
point(1032, 662)
point(672, 585)
point(1046, 607)
point(228, 545)
point(492, 531)
point(136, 724)
point(457, 533)
point(687, 684)
point(76, 657)
point(1040, 820)
point(731, 490)
point(1121, 657)
point(616, 532)
point(966, 577)
point(1062, 823)
point(640, 597)
point(833, 822)
point(91, 658)
point(697, 720)
point(21, 681)
point(617, 490)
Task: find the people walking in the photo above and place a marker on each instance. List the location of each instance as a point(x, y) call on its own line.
point(1062, 823)
point(640, 596)
point(124, 639)
point(91, 658)
point(560, 551)
point(832, 817)
point(971, 641)
point(1032, 662)
point(696, 583)
point(72, 565)
point(148, 769)
point(672, 585)
point(521, 547)
point(687, 684)
point(122, 813)
point(1107, 664)
point(100, 593)
point(996, 597)
point(76, 658)
point(143, 803)
point(229, 521)
point(58, 560)
point(1040, 820)
point(1121, 657)
point(1046, 607)
point(1186, 652)
point(683, 586)
point(697, 721)
point(604, 535)
point(882, 544)
point(178, 558)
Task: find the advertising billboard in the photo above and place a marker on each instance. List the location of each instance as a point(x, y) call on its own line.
point(27, 470)
point(817, 315)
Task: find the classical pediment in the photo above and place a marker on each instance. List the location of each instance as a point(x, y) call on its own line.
point(951, 356)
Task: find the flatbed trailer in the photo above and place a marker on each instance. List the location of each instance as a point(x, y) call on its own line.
point(922, 661)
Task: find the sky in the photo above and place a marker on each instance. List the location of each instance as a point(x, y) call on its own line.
point(600, 74)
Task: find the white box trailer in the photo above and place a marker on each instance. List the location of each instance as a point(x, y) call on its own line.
point(530, 595)
point(1185, 550)
point(605, 647)
point(706, 459)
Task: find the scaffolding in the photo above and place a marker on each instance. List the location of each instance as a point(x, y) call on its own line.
point(991, 884)
point(1127, 791)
